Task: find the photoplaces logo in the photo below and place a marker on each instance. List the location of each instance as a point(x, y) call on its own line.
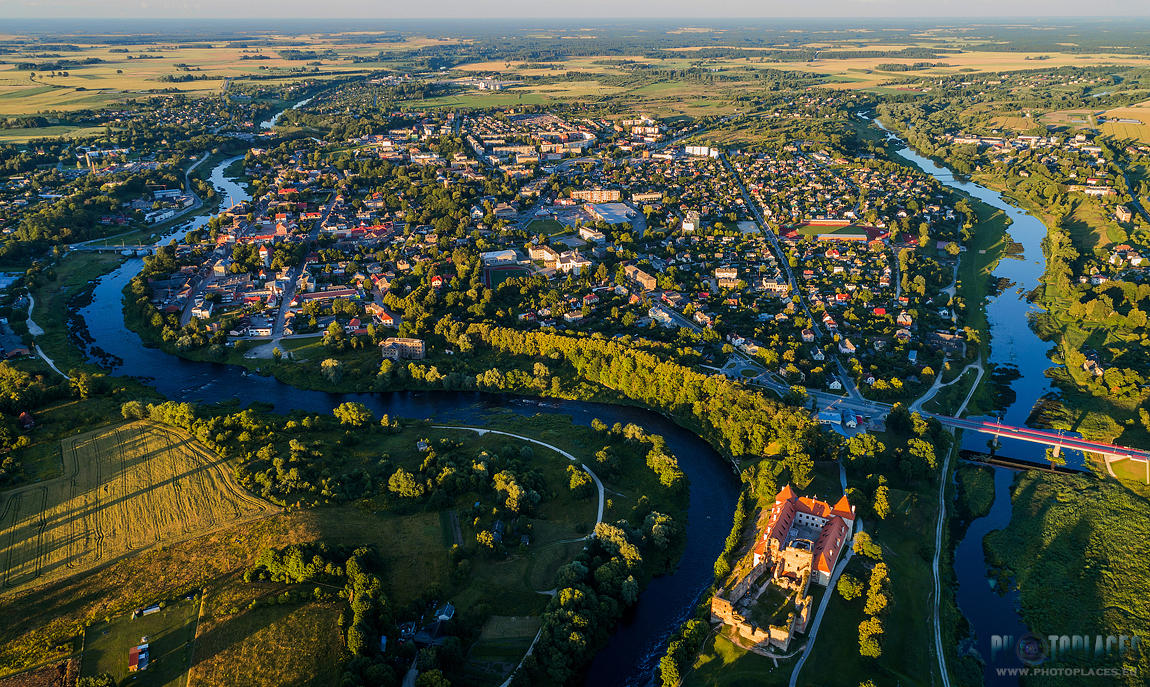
point(1034, 649)
point(1031, 649)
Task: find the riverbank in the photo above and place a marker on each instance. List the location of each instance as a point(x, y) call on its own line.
point(1076, 550)
point(1084, 404)
point(640, 634)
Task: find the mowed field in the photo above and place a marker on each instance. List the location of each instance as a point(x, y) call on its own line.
point(124, 490)
point(117, 77)
point(1128, 131)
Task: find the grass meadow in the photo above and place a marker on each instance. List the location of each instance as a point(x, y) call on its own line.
point(170, 634)
point(1076, 548)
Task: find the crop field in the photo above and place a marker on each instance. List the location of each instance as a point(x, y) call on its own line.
point(120, 76)
point(1124, 131)
point(125, 489)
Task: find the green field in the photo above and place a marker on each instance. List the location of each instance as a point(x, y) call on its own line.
point(495, 277)
point(906, 657)
point(25, 135)
point(723, 664)
point(547, 227)
point(1076, 547)
point(501, 645)
point(169, 634)
point(268, 646)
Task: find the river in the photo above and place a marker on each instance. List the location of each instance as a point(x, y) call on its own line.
point(271, 123)
point(640, 639)
point(1012, 343)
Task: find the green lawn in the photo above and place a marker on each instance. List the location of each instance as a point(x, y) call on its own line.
point(949, 398)
point(547, 227)
point(169, 633)
point(906, 658)
point(723, 664)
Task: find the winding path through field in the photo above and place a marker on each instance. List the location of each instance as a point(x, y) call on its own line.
point(36, 330)
point(568, 456)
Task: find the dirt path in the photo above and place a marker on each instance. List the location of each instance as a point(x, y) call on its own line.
point(36, 330)
point(456, 532)
point(568, 456)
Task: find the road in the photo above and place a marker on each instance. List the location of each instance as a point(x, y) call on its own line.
point(1040, 436)
point(1134, 195)
point(942, 484)
point(293, 276)
point(766, 231)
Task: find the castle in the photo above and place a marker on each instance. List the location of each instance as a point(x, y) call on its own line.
point(804, 534)
point(800, 544)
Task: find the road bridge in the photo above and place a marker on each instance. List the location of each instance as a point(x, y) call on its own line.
point(137, 248)
point(1056, 440)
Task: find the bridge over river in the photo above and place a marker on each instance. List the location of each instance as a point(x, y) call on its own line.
point(137, 250)
point(1057, 440)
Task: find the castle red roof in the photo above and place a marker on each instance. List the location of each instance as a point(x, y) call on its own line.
point(844, 509)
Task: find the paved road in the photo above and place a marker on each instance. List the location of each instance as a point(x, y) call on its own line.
point(293, 276)
point(1040, 436)
point(765, 229)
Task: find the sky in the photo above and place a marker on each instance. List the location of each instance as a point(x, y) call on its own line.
point(527, 9)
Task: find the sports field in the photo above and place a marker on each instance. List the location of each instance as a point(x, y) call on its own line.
point(494, 276)
point(124, 490)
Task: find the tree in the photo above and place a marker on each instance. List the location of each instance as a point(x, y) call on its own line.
point(432, 678)
point(863, 450)
point(850, 587)
point(354, 414)
point(404, 484)
point(486, 539)
point(579, 482)
point(133, 410)
point(865, 546)
point(1057, 460)
point(277, 354)
point(332, 370)
point(881, 504)
point(870, 632)
point(659, 529)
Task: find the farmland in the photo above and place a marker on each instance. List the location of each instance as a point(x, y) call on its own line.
point(125, 489)
point(1128, 130)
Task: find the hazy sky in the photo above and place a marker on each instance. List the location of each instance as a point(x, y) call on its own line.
point(527, 9)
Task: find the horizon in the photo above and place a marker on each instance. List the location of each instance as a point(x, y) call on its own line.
point(1030, 11)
